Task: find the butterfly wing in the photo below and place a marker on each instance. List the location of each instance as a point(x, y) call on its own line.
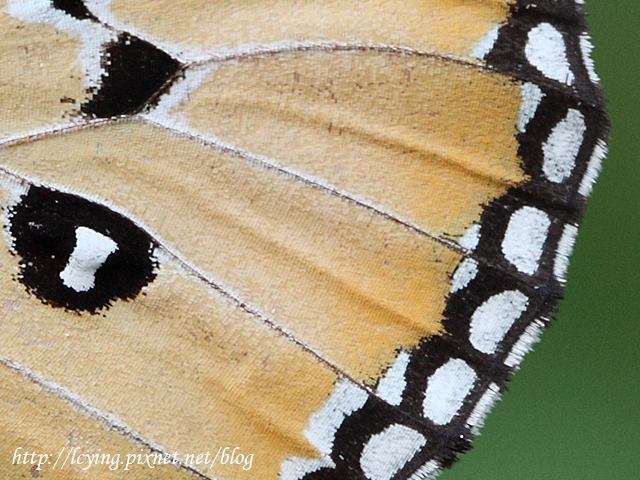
point(324, 237)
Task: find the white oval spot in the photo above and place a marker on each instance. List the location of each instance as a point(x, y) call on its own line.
point(562, 147)
point(547, 52)
point(471, 237)
point(345, 399)
point(466, 272)
point(447, 389)
point(531, 97)
point(493, 319)
point(91, 251)
point(524, 239)
point(388, 451)
point(392, 385)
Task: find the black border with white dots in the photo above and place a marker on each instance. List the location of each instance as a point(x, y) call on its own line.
point(561, 202)
point(495, 274)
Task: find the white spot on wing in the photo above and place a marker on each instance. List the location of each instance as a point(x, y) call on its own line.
point(466, 272)
point(530, 336)
point(493, 319)
point(91, 251)
point(323, 424)
point(593, 169)
point(295, 468)
point(12, 189)
point(392, 385)
point(547, 52)
point(388, 451)
point(587, 47)
point(91, 34)
point(182, 52)
point(565, 247)
point(531, 96)
point(525, 237)
point(345, 399)
point(486, 44)
point(179, 92)
point(471, 237)
point(447, 389)
point(562, 147)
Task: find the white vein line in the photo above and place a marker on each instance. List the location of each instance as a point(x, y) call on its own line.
point(277, 48)
point(252, 159)
point(227, 292)
point(313, 47)
point(246, 51)
point(249, 157)
point(190, 268)
point(36, 134)
point(111, 422)
point(202, 276)
point(272, 164)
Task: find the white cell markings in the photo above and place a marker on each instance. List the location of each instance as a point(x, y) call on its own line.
point(547, 51)
point(531, 97)
point(345, 399)
point(492, 320)
point(446, 390)
point(562, 147)
point(91, 251)
point(392, 385)
point(323, 424)
point(464, 274)
point(486, 44)
point(388, 451)
point(471, 237)
point(525, 237)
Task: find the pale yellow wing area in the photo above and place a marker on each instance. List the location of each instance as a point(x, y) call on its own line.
point(451, 27)
point(424, 139)
point(294, 177)
point(349, 283)
point(182, 367)
point(32, 57)
point(36, 421)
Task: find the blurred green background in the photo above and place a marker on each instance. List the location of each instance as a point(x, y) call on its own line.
point(573, 411)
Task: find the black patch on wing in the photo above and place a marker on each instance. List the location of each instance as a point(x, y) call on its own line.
point(508, 54)
point(43, 226)
point(136, 71)
point(563, 205)
point(75, 8)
